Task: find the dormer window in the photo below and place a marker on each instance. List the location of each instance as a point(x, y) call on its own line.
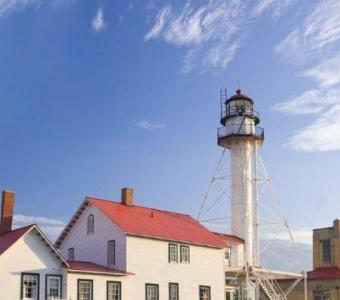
point(90, 224)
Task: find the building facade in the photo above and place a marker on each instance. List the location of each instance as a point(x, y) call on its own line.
point(116, 251)
point(324, 279)
point(30, 266)
point(161, 254)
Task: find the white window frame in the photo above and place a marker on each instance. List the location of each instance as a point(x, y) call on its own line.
point(185, 257)
point(203, 288)
point(58, 278)
point(173, 294)
point(79, 289)
point(26, 281)
point(173, 253)
point(112, 294)
point(151, 291)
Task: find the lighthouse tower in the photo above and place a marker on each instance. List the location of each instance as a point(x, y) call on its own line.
point(242, 137)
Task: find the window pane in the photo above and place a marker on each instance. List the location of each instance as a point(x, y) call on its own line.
point(173, 253)
point(30, 286)
point(321, 295)
point(53, 287)
point(185, 254)
point(326, 250)
point(151, 292)
point(111, 253)
point(70, 254)
point(85, 290)
point(204, 293)
point(173, 291)
point(113, 292)
point(90, 224)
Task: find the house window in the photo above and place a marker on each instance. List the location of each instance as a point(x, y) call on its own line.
point(151, 292)
point(90, 224)
point(85, 289)
point(70, 254)
point(53, 287)
point(326, 250)
point(227, 254)
point(204, 292)
point(322, 295)
point(173, 253)
point(111, 253)
point(114, 290)
point(173, 291)
point(29, 286)
point(185, 254)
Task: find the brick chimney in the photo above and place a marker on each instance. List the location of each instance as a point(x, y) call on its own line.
point(6, 211)
point(127, 196)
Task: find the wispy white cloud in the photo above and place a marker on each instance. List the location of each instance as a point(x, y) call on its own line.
point(208, 31)
point(211, 31)
point(159, 23)
point(98, 22)
point(310, 102)
point(326, 73)
point(51, 227)
point(273, 7)
point(314, 46)
point(315, 37)
point(303, 236)
point(9, 6)
point(145, 124)
point(322, 135)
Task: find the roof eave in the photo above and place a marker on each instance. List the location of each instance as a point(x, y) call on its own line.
point(99, 272)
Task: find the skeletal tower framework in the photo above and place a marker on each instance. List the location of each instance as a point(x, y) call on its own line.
point(241, 136)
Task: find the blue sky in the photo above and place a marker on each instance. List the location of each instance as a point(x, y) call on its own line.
point(97, 95)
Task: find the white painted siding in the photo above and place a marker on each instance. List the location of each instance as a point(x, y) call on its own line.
point(237, 255)
point(148, 259)
point(29, 254)
point(99, 285)
point(93, 247)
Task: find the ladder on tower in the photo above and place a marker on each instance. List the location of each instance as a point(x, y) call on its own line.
point(223, 99)
point(271, 288)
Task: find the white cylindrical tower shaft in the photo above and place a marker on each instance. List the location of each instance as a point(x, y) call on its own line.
point(242, 195)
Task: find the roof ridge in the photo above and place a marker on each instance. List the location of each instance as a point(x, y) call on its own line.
point(19, 228)
point(141, 206)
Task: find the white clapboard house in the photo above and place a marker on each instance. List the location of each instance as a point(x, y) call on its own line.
point(114, 251)
point(165, 255)
point(30, 266)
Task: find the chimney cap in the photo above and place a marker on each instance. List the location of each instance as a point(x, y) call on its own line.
point(8, 191)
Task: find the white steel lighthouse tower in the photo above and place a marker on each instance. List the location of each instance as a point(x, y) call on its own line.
point(241, 135)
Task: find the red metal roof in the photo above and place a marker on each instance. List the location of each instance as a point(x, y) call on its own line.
point(89, 267)
point(155, 223)
point(324, 273)
point(9, 238)
point(228, 238)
